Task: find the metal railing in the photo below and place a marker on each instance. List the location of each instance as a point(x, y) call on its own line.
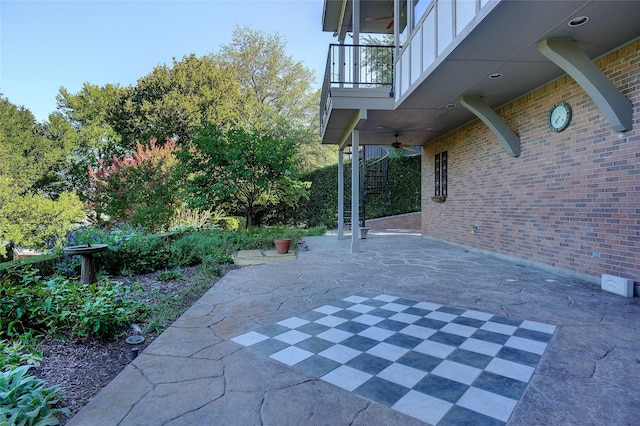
point(358, 67)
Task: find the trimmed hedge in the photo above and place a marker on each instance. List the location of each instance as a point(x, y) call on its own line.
point(321, 209)
point(13, 270)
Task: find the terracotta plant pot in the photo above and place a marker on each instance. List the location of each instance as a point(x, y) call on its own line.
point(282, 245)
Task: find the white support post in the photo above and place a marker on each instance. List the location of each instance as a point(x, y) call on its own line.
point(340, 194)
point(355, 191)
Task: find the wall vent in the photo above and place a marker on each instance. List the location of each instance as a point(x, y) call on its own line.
point(617, 285)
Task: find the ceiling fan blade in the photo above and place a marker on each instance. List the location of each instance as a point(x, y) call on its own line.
point(390, 24)
point(384, 17)
point(409, 149)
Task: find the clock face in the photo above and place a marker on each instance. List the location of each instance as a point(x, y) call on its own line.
point(560, 116)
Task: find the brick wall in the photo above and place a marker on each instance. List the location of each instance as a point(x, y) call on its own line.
point(571, 200)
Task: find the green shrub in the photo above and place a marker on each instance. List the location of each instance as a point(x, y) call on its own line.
point(46, 265)
point(24, 400)
point(226, 224)
point(14, 354)
point(59, 304)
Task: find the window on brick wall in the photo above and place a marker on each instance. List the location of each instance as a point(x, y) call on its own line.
point(440, 175)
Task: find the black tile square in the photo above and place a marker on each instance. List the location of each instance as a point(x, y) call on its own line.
point(317, 365)
point(342, 304)
point(473, 359)
point(314, 344)
point(312, 328)
point(447, 338)
point(458, 416)
point(403, 340)
point(272, 330)
point(470, 322)
point(311, 315)
point(533, 335)
point(417, 311)
point(516, 355)
point(451, 310)
point(490, 336)
point(441, 388)
point(506, 321)
point(402, 301)
point(383, 313)
point(419, 361)
point(382, 391)
point(500, 385)
point(352, 327)
point(391, 325)
point(346, 314)
point(369, 363)
point(431, 323)
point(359, 343)
point(269, 346)
point(376, 303)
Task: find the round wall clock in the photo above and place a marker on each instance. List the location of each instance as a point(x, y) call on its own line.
point(560, 116)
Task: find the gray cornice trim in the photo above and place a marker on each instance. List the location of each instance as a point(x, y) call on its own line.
point(614, 105)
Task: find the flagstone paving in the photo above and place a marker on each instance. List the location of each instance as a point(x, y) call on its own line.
point(408, 331)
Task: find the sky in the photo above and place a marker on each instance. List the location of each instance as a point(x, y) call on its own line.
point(49, 44)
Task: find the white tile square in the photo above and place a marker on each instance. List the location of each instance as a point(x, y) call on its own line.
point(526, 345)
point(385, 298)
point(538, 326)
point(441, 316)
point(327, 309)
point(395, 307)
point(346, 377)
point(376, 333)
point(422, 407)
point(355, 299)
point(368, 319)
point(340, 353)
point(418, 331)
point(459, 329)
point(330, 321)
point(334, 335)
point(436, 349)
point(361, 308)
point(488, 403)
point(428, 306)
point(291, 355)
point(387, 351)
point(481, 346)
point(293, 322)
point(482, 316)
point(292, 337)
point(458, 372)
point(499, 328)
point(249, 338)
point(402, 375)
point(406, 318)
point(510, 369)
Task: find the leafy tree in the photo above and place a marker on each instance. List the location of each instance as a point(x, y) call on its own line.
point(278, 93)
point(81, 123)
point(34, 205)
point(241, 169)
point(172, 101)
point(140, 188)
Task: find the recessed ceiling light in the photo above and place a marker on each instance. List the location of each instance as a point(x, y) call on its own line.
point(579, 20)
point(367, 19)
point(451, 105)
point(495, 75)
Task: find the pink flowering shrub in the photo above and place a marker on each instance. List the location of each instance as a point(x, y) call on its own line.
point(140, 188)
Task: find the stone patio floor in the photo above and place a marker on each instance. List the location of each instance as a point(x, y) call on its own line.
point(586, 372)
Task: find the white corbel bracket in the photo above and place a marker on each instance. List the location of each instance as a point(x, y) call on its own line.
point(567, 55)
point(509, 140)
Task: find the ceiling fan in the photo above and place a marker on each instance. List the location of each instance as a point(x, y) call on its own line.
point(390, 24)
point(400, 146)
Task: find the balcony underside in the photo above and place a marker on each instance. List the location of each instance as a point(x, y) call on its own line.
point(505, 41)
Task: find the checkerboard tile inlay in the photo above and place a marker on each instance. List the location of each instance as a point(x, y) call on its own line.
point(436, 363)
